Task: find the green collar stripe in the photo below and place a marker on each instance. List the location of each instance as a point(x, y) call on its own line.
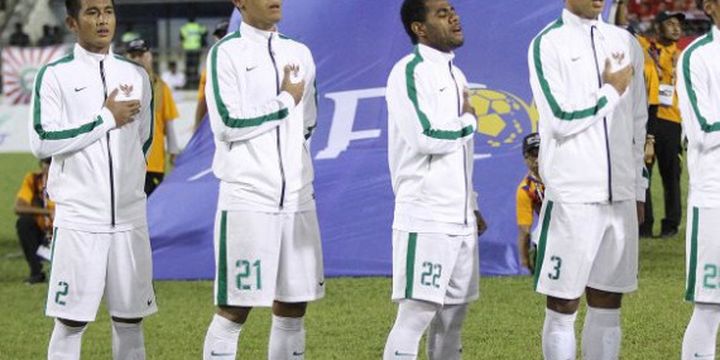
point(704, 125)
point(222, 109)
point(692, 266)
point(424, 122)
point(221, 296)
point(540, 255)
point(37, 113)
point(410, 265)
point(554, 106)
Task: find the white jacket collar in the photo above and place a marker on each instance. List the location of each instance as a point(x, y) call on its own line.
point(434, 55)
point(571, 19)
point(81, 54)
point(715, 32)
point(256, 34)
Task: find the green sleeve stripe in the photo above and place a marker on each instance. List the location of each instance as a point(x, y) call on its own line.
point(148, 142)
point(554, 106)
point(704, 125)
point(428, 130)
point(37, 113)
point(222, 109)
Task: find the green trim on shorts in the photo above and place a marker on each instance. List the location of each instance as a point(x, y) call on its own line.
point(221, 296)
point(410, 265)
point(540, 255)
point(52, 257)
point(692, 267)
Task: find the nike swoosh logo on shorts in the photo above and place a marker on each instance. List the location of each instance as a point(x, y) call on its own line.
point(295, 353)
point(701, 356)
point(213, 353)
point(397, 353)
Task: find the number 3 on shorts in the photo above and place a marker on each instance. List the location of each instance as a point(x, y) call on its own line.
point(558, 264)
point(243, 277)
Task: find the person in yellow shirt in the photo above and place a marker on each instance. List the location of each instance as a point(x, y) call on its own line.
point(35, 219)
point(664, 118)
point(529, 198)
point(165, 112)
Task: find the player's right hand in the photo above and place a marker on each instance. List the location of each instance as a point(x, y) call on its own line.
point(467, 108)
point(620, 79)
point(294, 89)
point(123, 111)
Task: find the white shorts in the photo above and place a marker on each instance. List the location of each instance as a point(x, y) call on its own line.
point(438, 268)
point(702, 260)
point(262, 257)
point(85, 266)
point(587, 245)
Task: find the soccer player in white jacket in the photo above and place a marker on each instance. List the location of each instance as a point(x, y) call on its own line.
point(98, 145)
point(430, 152)
point(261, 102)
point(698, 85)
point(587, 79)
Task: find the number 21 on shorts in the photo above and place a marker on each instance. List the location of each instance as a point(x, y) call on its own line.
point(249, 275)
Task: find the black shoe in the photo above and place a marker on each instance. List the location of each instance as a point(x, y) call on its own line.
point(35, 279)
point(668, 233)
point(646, 233)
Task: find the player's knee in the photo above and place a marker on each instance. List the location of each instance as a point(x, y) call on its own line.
point(563, 306)
point(72, 323)
point(235, 314)
point(603, 299)
point(294, 310)
point(127, 321)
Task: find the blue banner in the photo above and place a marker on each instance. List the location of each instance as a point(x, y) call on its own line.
point(355, 44)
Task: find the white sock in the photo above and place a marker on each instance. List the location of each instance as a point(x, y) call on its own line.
point(221, 339)
point(443, 337)
point(287, 338)
point(127, 341)
point(701, 332)
point(558, 338)
point(601, 334)
point(412, 319)
point(65, 342)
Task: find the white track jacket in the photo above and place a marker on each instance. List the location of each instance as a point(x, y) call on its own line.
point(592, 138)
point(698, 84)
point(261, 154)
point(97, 175)
point(430, 144)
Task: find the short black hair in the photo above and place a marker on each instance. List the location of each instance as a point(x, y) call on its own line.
point(410, 12)
point(72, 7)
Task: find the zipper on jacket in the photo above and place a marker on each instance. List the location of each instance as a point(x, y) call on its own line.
point(459, 112)
point(277, 129)
point(110, 161)
point(605, 126)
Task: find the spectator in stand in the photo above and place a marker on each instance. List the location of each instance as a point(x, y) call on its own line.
point(165, 113)
point(174, 78)
point(47, 38)
point(201, 110)
point(529, 198)
point(19, 37)
point(57, 35)
point(130, 34)
point(35, 219)
point(192, 37)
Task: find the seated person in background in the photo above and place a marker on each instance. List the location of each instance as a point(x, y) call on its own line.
point(529, 198)
point(35, 216)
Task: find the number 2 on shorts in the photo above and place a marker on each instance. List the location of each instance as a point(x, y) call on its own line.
point(62, 292)
point(243, 277)
point(711, 273)
point(558, 264)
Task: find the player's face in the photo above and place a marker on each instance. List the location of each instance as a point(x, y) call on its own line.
point(261, 14)
point(670, 29)
point(143, 58)
point(94, 25)
point(531, 160)
point(442, 29)
point(586, 9)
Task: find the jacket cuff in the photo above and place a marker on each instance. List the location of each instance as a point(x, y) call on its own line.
point(610, 94)
point(286, 100)
point(108, 119)
point(469, 120)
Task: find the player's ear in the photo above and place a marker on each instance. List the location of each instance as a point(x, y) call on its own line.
point(71, 24)
point(418, 28)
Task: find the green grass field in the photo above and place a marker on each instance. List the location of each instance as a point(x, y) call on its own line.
point(355, 316)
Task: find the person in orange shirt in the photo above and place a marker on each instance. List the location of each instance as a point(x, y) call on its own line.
point(664, 123)
point(529, 198)
point(165, 112)
point(35, 219)
point(201, 109)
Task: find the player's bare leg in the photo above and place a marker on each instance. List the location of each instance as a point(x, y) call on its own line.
point(287, 334)
point(222, 336)
point(601, 333)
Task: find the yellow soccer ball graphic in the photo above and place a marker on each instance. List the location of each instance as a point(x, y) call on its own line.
point(503, 118)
